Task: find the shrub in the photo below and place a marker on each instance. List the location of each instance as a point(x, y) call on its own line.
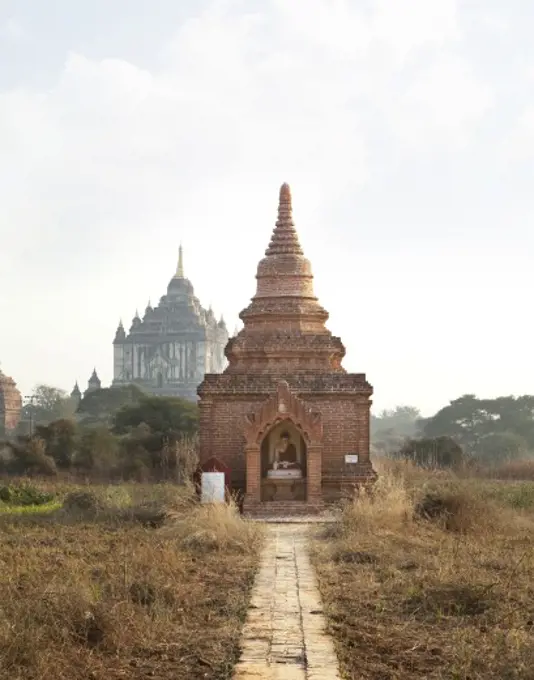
point(24, 494)
point(456, 507)
point(215, 528)
point(499, 447)
point(386, 505)
point(29, 457)
point(84, 503)
point(61, 441)
point(98, 451)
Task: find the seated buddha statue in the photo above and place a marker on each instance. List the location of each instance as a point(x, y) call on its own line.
point(285, 454)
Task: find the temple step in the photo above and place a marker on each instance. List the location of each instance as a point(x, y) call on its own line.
point(269, 509)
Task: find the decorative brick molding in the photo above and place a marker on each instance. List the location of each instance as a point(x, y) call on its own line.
point(303, 383)
point(283, 406)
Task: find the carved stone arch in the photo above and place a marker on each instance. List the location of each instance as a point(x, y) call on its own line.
point(283, 406)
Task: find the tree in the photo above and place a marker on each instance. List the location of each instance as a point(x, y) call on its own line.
point(100, 406)
point(438, 452)
point(391, 427)
point(98, 451)
point(499, 447)
point(402, 420)
point(61, 439)
point(48, 404)
point(469, 419)
point(168, 416)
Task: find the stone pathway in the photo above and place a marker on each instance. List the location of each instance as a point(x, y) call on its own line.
point(284, 636)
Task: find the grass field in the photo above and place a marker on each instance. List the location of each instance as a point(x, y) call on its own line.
point(432, 577)
point(429, 577)
point(139, 583)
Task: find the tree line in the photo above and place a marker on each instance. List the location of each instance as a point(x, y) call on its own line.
point(489, 431)
point(119, 433)
point(123, 432)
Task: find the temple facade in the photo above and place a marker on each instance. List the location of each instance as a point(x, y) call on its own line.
point(169, 350)
point(10, 404)
point(284, 416)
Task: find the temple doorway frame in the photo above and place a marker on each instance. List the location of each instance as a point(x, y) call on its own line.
point(283, 406)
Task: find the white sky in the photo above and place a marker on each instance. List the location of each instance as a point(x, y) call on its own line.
point(406, 131)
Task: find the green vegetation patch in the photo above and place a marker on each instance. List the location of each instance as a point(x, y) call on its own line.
point(517, 495)
point(43, 509)
point(24, 494)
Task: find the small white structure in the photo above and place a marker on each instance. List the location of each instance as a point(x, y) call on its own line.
point(212, 487)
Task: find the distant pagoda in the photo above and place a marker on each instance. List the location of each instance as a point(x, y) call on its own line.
point(10, 403)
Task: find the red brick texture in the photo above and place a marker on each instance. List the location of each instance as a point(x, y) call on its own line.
point(285, 365)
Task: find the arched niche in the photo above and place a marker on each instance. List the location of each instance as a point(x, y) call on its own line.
point(283, 447)
point(282, 411)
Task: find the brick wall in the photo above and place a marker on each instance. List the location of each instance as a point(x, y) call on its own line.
point(222, 421)
point(345, 427)
point(345, 420)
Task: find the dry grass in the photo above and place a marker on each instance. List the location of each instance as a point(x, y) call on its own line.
point(513, 469)
point(430, 577)
point(107, 596)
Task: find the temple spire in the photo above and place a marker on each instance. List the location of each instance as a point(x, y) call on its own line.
point(180, 268)
point(284, 322)
point(284, 239)
point(76, 392)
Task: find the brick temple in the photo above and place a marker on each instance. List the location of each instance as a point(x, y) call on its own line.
point(285, 416)
point(10, 404)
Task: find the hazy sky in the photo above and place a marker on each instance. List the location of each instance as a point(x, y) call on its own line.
point(406, 131)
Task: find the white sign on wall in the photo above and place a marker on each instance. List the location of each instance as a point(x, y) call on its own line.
point(351, 458)
point(212, 487)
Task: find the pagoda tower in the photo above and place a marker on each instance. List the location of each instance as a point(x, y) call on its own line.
point(285, 417)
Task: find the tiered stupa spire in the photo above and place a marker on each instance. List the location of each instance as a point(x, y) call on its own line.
point(284, 238)
point(284, 326)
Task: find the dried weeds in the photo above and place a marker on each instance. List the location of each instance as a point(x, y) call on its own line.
point(430, 577)
point(107, 596)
